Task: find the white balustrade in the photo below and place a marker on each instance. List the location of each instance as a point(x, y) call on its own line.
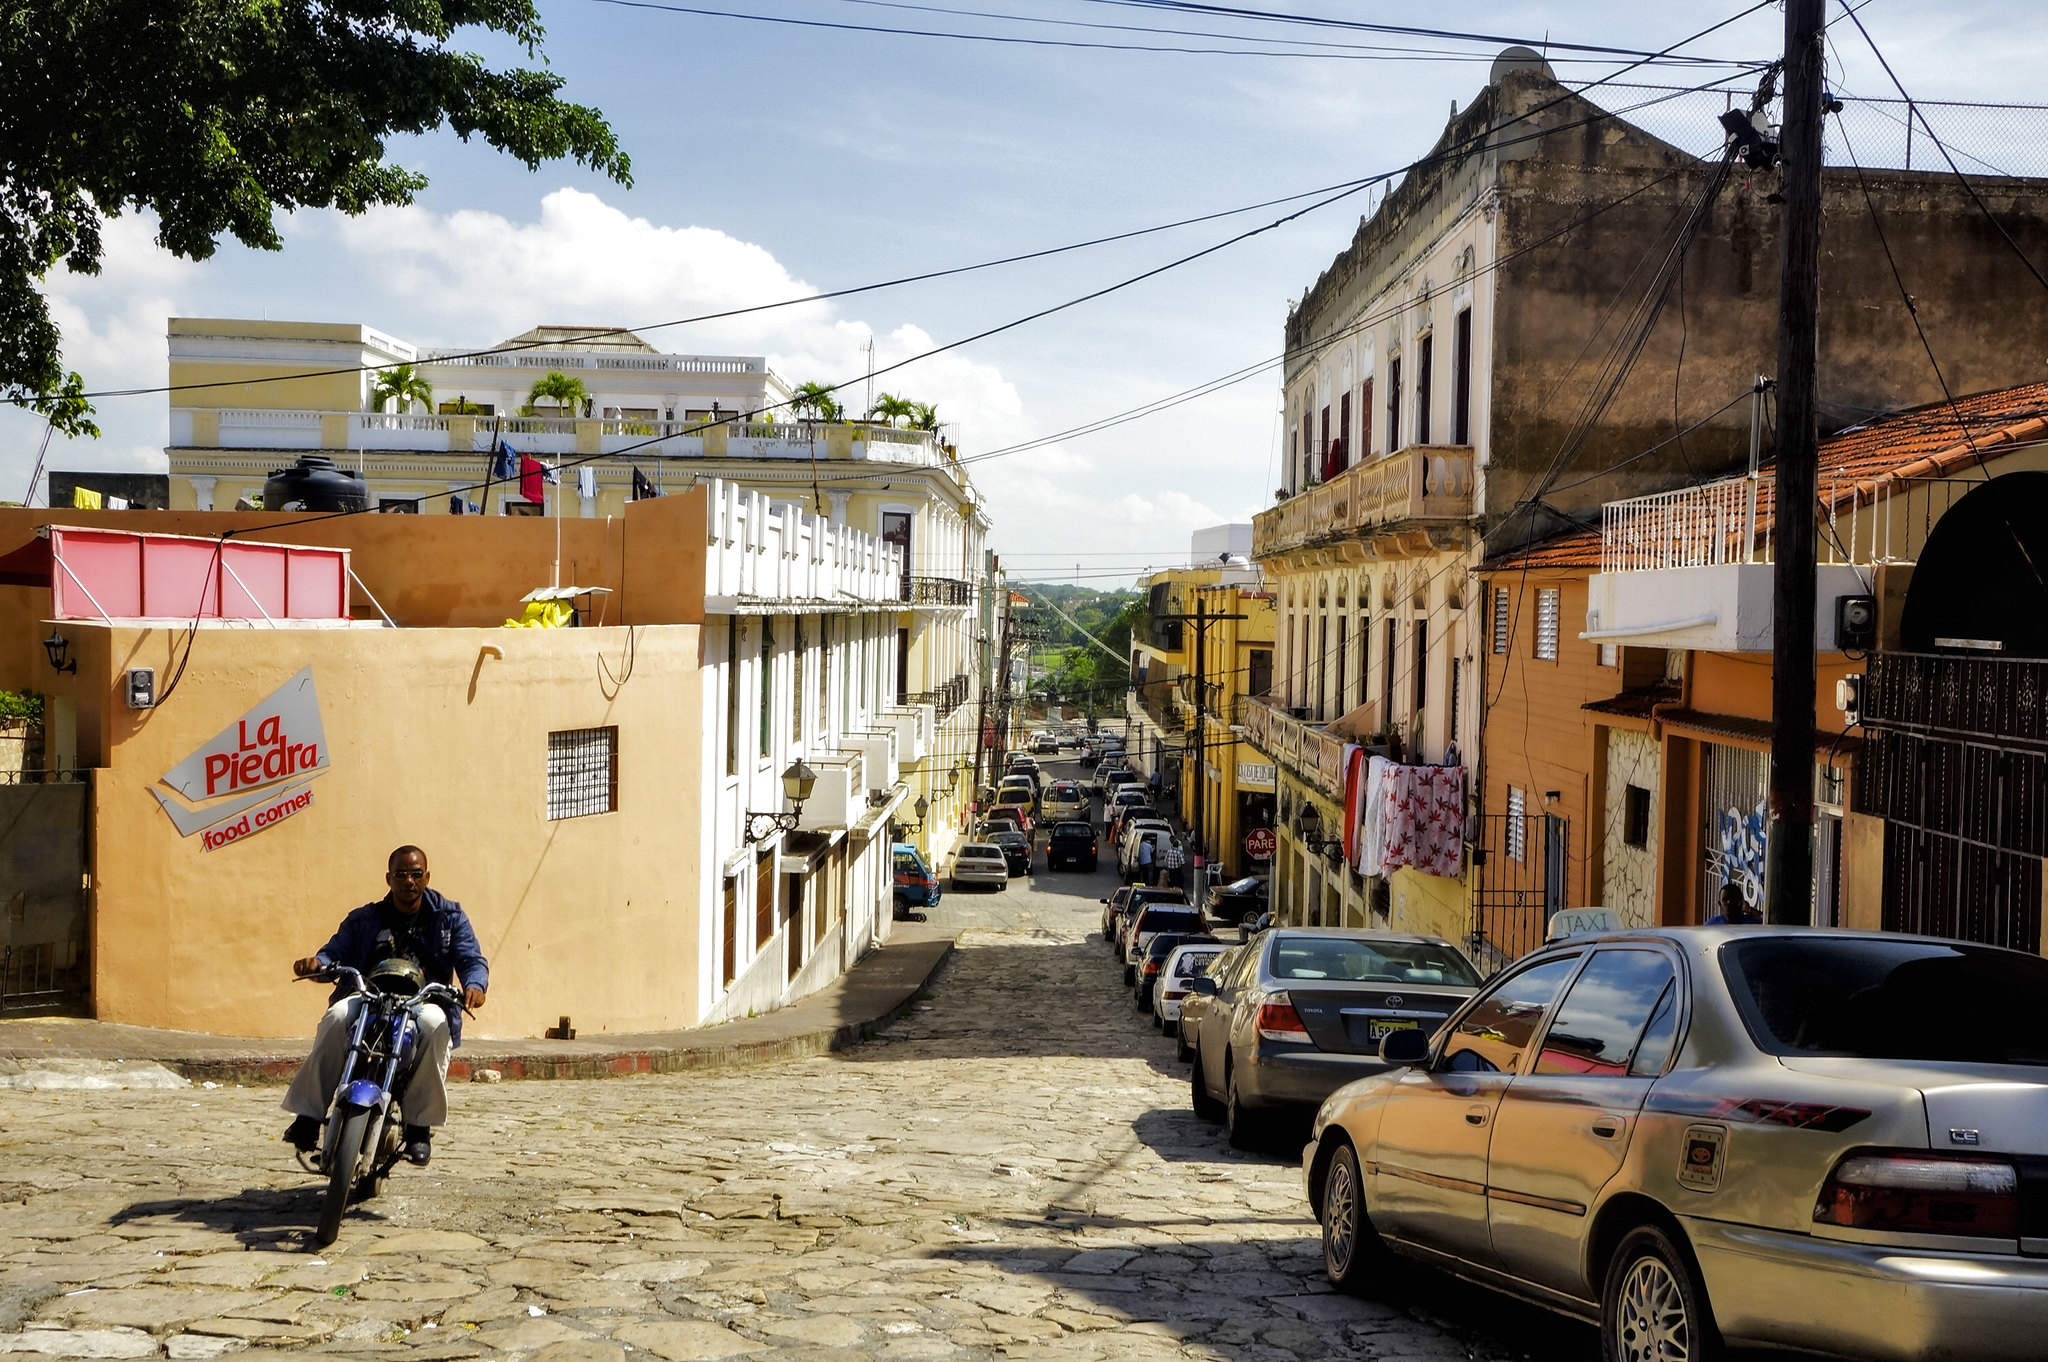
point(1710, 525)
point(773, 551)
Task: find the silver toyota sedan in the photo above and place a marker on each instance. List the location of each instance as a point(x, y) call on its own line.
point(1833, 1141)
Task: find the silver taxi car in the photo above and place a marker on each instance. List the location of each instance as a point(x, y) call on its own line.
point(1823, 1140)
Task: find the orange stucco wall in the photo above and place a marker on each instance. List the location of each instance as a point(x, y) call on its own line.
point(434, 740)
point(438, 736)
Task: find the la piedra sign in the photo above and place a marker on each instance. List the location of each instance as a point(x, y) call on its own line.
point(254, 773)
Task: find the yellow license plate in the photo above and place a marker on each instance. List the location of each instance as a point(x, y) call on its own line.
point(1378, 1028)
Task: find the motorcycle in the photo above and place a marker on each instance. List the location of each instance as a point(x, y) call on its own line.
point(364, 1134)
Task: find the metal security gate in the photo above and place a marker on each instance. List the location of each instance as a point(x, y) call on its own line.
point(1521, 868)
point(44, 963)
point(1733, 820)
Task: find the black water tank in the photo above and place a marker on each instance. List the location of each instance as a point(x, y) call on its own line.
point(315, 484)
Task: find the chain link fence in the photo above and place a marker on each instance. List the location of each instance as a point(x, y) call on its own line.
point(1984, 139)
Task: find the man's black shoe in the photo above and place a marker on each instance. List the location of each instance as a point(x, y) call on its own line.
point(303, 1134)
point(419, 1145)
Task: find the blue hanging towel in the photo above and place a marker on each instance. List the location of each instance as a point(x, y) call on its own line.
point(505, 462)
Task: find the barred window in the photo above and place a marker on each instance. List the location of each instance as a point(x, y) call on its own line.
point(1546, 623)
point(1518, 825)
point(583, 772)
point(1500, 621)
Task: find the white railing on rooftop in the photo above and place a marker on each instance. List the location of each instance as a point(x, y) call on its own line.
point(774, 552)
point(1710, 525)
point(584, 359)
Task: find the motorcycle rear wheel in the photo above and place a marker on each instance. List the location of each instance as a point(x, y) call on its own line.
point(341, 1176)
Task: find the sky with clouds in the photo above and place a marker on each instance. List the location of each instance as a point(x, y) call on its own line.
point(775, 161)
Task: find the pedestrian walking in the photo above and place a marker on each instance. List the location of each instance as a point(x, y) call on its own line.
point(1145, 858)
point(1176, 866)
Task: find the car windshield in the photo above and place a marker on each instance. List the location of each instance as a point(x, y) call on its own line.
point(1946, 1003)
point(906, 864)
point(1378, 962)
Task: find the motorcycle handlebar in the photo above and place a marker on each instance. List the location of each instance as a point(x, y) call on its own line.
point(432, 993)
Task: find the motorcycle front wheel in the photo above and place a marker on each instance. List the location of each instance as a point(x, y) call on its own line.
point(341, 1176)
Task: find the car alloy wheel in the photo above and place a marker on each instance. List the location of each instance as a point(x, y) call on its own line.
point(1351, 1246)
point(1654, 1309)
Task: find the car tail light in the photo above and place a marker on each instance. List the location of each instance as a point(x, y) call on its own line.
point(1922, 1194)
point(1279, 1021)
point(1152, 966)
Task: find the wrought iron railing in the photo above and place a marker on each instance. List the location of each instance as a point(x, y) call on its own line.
point(937, 591)
point(944, 700)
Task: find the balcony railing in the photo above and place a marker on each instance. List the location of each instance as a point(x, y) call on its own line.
point(1706, 526)
point(1421, 483)
point(944, 700)
point(1303, 748)
point(937, 591)
point(1996, 698)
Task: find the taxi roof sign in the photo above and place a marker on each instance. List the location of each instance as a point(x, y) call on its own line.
point(1582, 922)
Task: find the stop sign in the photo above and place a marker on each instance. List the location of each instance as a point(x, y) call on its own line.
point(1260, 844)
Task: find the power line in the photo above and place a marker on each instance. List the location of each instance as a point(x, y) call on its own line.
point(1319, 51)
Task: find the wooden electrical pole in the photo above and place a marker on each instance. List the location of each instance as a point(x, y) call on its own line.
point(1788, 877)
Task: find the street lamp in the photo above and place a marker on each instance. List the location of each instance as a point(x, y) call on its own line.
point(797, 783)
point(1308, 823)
point(923, 807)
point(59, 649)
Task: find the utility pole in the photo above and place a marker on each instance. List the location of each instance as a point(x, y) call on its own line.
point(1788, 875)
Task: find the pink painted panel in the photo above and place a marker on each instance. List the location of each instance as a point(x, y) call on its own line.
point(260, 589)
point(180, 579)
point(97, 572)
point(316, 583)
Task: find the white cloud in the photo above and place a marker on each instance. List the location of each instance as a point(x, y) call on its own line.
point(473, 277)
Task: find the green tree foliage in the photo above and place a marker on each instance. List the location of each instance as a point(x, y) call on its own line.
point(558, 389)
point(924, 416)
point(1080, 672)
point(402, 384)
point(216, 114)
point(815, 400)
point(890, 408)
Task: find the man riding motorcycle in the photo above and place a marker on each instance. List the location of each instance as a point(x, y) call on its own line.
point(412, 922)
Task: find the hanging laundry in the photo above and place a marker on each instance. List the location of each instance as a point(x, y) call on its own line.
point(642, 488)
point(533, 477)
point(1372, 818)
point(586, 483)
point(1354, 799)
point(504, 462)
point(85, 499)
point(1423, 819)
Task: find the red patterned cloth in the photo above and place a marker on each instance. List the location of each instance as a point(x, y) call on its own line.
point(1422, 819)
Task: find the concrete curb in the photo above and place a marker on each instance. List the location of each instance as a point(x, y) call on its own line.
point(912, 966)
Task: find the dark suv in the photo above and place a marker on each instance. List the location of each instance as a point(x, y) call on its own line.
point(1071, 844)
point(1117, 904)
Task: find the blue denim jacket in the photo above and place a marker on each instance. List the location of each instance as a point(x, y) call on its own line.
point(441, 931)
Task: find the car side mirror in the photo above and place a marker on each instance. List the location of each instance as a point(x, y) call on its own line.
point(1407, 1047)
point(1203, 985)
point(1102, 900)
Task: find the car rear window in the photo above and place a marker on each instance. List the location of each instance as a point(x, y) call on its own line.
point(1170, 920)
point(1947, 1003)
point(982, 853)
point(1192, 963)
point(1378, 962)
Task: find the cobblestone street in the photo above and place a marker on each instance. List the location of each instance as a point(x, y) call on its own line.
point(1009, 1171)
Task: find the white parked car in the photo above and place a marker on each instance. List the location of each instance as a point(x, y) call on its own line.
point(1186, 962)
point(981, 863)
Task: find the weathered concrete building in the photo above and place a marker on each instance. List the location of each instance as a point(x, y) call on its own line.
point(1556, 310)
